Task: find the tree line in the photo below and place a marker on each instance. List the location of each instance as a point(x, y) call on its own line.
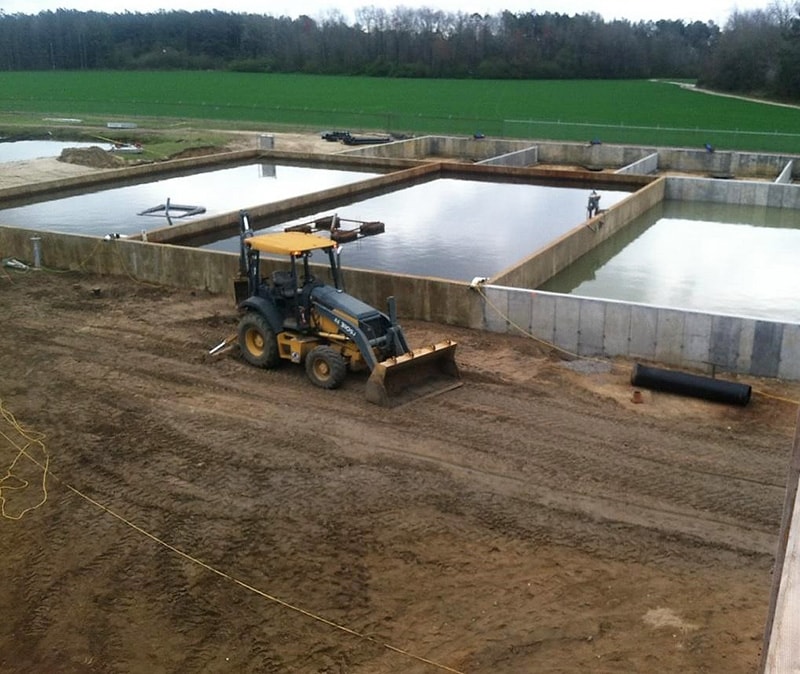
point(756, 51)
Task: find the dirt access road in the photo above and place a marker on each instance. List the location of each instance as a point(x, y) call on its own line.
point(202, 515)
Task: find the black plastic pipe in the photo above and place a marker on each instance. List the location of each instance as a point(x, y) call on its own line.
point(670, 381)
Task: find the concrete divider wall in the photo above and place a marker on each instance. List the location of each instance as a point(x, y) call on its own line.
point(153, 263)
point(644, 166)
point(527, 157)
point(588, 327)
point(582, 154)
point(587, 154)
point(742, 164)
point(442, 146)
point(744, 192)
point(420, 298)
point(553, 258)
point(595, 155)
point(786, 174)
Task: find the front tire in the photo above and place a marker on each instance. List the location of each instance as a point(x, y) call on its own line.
point(257, 341)
point(325, 367)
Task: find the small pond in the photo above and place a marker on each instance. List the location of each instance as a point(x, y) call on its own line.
point(715, 258)
point(117, 210)
point(457, 228)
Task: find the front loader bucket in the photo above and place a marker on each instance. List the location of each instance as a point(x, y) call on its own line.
point(420, 373)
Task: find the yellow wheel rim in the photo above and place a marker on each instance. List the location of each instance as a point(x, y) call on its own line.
point(255, 342)
point(322, 369)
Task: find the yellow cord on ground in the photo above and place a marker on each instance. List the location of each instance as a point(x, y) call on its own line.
point(6, 482)
point(23, 451)
point(778, 398)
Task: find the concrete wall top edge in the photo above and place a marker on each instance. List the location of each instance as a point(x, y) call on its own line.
point(636, 304)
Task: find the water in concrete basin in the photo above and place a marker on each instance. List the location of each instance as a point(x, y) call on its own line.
point(706, 257)
point(457, 229)
point(37, 149)
point(116, 210)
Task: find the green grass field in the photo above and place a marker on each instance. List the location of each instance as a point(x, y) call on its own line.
point(613, 111)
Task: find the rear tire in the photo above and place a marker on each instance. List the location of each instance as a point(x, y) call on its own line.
point(325, 367)
point(257, 341)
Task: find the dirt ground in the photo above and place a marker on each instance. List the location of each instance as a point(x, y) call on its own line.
point(198, 514)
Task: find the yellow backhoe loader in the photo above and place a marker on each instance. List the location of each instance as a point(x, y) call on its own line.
point(296, 317)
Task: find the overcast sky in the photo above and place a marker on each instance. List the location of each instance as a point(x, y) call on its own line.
point(688, 10)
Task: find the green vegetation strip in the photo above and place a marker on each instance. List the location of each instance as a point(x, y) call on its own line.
point(620, 111)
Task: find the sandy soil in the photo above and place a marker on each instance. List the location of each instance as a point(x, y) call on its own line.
point(203, 515)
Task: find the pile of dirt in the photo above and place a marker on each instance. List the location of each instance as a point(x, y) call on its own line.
point(94, 156)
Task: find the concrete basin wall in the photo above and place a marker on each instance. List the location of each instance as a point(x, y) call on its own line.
point(461, 147)
point(645, 166)
point(148, 262)
point(723, 164)
point(674, 337)
point(597, 155)
point(786, 174)
point(746, 193)
point(591, 155)
point(584, 326)
point(527, 157)
point(557, 256)
point(422, 298)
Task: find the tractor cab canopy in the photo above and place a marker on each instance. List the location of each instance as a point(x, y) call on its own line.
point(296, 245)
point(289, 243)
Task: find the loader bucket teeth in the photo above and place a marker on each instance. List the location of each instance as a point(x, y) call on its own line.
point(420, 373)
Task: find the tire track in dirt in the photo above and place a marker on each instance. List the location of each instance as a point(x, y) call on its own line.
point(671, 517)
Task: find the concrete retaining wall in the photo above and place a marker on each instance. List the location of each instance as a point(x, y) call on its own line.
point(461, 147)
point(588, 327)
point(527, 157)
point(553, 258)
point(422, 298)
point(595, 156)
point(746, 193)
point(723, 164)
point(591, 155)
point(780, 652)
point(645, 166)
point(677, 338)
point(786, 174)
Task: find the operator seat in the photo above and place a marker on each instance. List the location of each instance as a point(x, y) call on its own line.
point(285, 285)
